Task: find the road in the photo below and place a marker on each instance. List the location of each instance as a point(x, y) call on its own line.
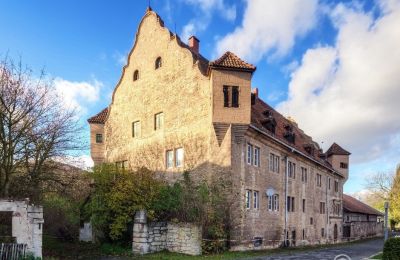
point(356, 251)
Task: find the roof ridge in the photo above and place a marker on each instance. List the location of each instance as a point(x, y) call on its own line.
point(229, 60)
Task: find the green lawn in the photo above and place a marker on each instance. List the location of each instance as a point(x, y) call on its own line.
point(377, 256)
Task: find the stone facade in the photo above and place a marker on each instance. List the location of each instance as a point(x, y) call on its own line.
point(182, 238)
point(27, 224)
point(213, 129)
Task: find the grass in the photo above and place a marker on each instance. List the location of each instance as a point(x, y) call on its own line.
point(55, 249)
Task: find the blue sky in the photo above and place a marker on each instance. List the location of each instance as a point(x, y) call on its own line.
point(331, 65)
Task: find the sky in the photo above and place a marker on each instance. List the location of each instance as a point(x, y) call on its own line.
point(333, 66)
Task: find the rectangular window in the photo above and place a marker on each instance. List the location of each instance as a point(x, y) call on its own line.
point(292, 170)
point(169, 159)
point(336, 186)
point(235, 96)
point(344, 165)
point(304, 174)
point(270, 203)
point(304, 205)
point(329, 183)
point(136, 131)
point(226, 96)
point(248, 199)
point(273, 202)
point(311, 221)
point(179, 157)
point(319, 180)
point(256, 203)
point(273, 163)
point(249, 154)
point(158, 121)
point(322, 232)
point(290, 204)
point(99, 138)
point(322, 207)
point(256, 156)
point(276, 202)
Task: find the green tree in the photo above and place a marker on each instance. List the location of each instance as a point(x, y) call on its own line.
point(395, 197)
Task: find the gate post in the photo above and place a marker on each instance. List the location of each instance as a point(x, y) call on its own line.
point(140, 244)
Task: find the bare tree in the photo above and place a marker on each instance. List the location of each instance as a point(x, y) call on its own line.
point(380, 184)
point(35, 128)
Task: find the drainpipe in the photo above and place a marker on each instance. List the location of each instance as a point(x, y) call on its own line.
point(327, 209)
point(286, 202)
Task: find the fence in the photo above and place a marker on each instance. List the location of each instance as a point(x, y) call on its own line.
point(12, 251)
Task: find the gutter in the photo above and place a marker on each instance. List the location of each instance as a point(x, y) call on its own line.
point(286, 235)
point(294, 150)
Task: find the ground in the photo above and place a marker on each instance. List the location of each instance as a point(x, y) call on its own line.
point(355, 250)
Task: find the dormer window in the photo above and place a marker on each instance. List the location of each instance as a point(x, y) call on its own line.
point(158, 63)
point(135, 75)
point(269, 122)
point(231, 96)
point(289, 134)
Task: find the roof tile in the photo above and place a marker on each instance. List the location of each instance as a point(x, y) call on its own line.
point(100, 118)
point(231, 61)
point(354, 205)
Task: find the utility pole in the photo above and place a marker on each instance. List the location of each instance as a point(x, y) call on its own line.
point(386, 220)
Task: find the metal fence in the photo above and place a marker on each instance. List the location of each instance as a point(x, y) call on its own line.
point(12, 251)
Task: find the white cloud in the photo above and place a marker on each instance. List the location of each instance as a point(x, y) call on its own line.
point(350, 92)
point(203, 19)
point(76, 95)
point(269, 27)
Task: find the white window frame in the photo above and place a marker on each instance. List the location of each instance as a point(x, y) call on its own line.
point(256, 200)
point(248, 199)
point(257, 156)
point(249, 154)
point(179, 161)
point(169, 164)
point(276, 202)
point(158, 121)
point(136, 129)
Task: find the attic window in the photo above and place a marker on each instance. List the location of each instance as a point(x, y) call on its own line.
point(289, 134)
point(158, 63)
point(309, 149)
point(267, 113)
point(135, 75)
point(269, 122)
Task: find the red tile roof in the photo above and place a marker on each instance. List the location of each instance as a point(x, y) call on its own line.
point(231, 61)
point(100, 118)
point(302, 141)
point(351, 204)
point(337, 150)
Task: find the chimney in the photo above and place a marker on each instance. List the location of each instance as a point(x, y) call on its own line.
point(194, 44)
point(255, 91)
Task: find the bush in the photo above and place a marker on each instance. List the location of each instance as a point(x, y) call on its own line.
point(391, 249)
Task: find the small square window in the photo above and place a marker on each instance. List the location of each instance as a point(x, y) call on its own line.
point(179, 157)
point(99, 138)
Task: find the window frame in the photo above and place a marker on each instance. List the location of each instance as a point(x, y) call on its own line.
point(250, 154)
point(256, 199)
point(138, 133)
point(99, 138)
point(176, 155)
point(167, 152)
point(256, 153)
point(248, 199)
point(158, 121)
point(235, 94)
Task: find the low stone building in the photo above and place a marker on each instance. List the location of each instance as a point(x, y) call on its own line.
point(173, 110)
point(360, 220)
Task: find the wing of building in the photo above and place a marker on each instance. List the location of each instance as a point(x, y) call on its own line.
point(173, 110)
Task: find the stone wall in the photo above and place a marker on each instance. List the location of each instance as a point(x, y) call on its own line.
point(27, 224)
point(364, 229)
point(182, 238)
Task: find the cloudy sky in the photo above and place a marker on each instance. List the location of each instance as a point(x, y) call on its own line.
point(334, 66)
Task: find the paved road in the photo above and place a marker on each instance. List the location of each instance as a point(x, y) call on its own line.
point(355, 251)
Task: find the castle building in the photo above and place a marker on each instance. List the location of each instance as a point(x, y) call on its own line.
point(173, 110)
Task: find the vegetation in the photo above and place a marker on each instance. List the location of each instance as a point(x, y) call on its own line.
point(391, 249)
point(385, 186)
point(35, 130)
point(118, 194)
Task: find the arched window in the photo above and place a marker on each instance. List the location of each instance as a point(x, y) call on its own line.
point(135, 75)
point(158, 63)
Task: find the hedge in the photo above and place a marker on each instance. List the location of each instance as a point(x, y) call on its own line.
point(391, 249)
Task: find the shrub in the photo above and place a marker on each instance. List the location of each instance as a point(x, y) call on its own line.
point(391, 249)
